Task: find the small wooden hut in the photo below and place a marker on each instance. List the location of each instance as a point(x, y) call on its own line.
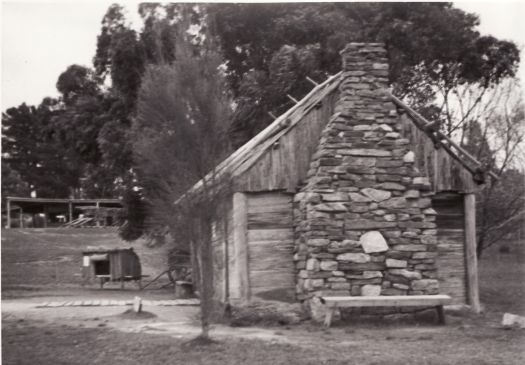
point(116, 265)
point(350, 192)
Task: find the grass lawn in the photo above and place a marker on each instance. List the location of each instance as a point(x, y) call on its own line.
point(502, 279)
point(53, 257)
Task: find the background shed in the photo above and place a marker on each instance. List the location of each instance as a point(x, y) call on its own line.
point(111, 265)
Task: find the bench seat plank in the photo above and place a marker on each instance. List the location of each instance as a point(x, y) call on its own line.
point(388, 301)
point(437, 301)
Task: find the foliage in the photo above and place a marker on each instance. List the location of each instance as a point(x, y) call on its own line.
point(179, 136)
point(30, 148)
point(12, 184)
point(133, 215)
point(429, 44)
point(434, 51)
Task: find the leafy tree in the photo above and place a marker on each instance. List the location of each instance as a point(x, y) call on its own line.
point(86, 128)
point(133, 215)
point(31, 149)
point(12, 184)
point(429, 44)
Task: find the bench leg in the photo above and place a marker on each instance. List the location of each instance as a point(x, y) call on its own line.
point(329, 314)
point(440, 314)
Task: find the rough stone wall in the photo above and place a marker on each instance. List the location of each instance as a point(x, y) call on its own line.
point(363, 220)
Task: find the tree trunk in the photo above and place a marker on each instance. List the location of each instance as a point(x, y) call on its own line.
point(205, 258)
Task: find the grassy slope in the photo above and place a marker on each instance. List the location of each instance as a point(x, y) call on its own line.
point(52, 257)
point(502, 279)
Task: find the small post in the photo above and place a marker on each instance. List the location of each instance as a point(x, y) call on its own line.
point(440, 314)
point(97, 215)
point(137, 305)
point(21, 218)
point(70, 211)
point(330, 310)
point(8, 213)
point(470, 252)
point(45, 216)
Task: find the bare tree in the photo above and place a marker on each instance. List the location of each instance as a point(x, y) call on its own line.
point(179, 138)
point(489, 122)
point(486, 118)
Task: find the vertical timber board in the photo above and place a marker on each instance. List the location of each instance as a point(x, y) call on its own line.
point(217, 239)
point(240, 285)
point(286, 162)
point(451, 263)
point(271, 245)
point(8, 213)
point(471, 256)
point(222, 252)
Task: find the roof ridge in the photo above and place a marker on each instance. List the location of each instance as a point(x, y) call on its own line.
point(235, 160)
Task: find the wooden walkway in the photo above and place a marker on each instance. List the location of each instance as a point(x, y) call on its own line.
point(109, 303)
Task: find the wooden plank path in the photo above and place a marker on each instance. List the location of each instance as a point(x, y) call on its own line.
point(110, 303)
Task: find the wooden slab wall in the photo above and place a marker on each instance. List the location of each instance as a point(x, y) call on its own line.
point(451, 246)
point(445, 173)
point(270, 246)
point(285, 164)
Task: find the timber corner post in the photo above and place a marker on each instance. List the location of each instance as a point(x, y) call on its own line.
point(240, 244)
point(470, 252)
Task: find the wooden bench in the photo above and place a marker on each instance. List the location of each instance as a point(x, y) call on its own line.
point(437, 301)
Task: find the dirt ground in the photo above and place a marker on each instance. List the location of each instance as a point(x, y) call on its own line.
point(102, 335)
point(99, 335)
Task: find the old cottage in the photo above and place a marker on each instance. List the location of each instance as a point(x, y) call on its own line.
point(350, 192)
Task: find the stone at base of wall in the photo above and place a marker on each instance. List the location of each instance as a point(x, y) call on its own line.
point(317, 310)
point(266, 312)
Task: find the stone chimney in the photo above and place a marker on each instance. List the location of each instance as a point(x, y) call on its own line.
point(364, 222)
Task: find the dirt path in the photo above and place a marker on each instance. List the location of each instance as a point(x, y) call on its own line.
point(101, 335)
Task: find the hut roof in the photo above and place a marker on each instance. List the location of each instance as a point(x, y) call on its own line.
point(247, 155)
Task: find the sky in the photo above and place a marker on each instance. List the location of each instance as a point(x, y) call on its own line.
point(40, 39)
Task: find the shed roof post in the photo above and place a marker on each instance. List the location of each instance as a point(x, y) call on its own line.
point(470, 252)
point(97, 214)
point(70, 210)
point(8, 225)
